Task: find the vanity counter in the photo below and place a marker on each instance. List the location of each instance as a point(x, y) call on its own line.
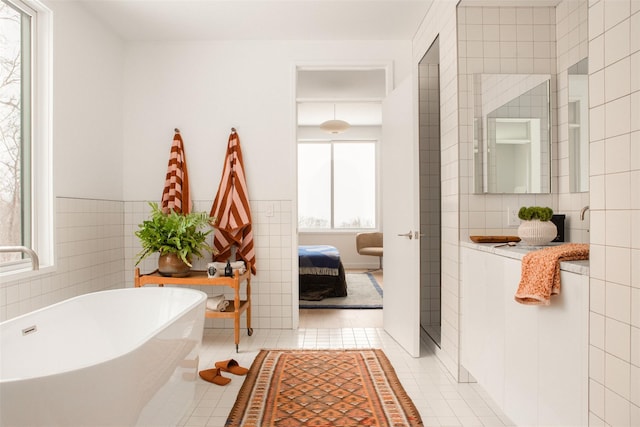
point(520, 250)
point(531, 359)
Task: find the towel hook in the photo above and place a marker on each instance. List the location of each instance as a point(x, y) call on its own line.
point(177, 130)
point(233, 130)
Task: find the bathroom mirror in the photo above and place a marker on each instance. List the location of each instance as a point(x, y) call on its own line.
point(512, 135)
point(578, 111)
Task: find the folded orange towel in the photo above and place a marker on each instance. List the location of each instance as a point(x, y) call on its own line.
point(541, 272)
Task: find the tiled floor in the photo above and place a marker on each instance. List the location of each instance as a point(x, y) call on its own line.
point(338, 319)
point(440, 400)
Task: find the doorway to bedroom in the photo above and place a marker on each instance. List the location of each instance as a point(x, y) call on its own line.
point(339, 120)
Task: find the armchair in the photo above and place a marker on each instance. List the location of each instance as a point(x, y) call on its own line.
point(370, 244)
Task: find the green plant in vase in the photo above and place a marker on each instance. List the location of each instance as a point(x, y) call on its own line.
point(535, 212)
point(536, 227)
point(176, 237)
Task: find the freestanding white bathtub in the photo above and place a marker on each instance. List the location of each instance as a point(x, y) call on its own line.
point(113, 358)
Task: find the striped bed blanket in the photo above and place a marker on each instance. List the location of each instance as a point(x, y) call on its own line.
point(318, 260)
point(321, 273)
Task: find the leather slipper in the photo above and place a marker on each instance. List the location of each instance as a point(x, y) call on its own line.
point(213, 376)
point(231, 366)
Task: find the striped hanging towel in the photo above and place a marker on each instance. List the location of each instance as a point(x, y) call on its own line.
point(176, 195)
point(231, 209)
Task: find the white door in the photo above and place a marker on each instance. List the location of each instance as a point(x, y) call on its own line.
point(401, 219)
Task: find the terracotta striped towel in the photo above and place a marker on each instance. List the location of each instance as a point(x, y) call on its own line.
point(541, 272)
point(231, 209)
point(176, 195)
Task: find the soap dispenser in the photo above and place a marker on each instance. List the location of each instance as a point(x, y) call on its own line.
point(228, 271)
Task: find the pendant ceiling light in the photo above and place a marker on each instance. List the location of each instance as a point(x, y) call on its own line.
point(334, 126)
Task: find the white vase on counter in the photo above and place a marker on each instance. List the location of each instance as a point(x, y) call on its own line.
point(535, 232)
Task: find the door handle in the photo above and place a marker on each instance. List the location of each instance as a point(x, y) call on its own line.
point(417, 235)
point(409, 235)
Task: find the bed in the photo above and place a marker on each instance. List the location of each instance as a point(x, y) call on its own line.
point(321, 273)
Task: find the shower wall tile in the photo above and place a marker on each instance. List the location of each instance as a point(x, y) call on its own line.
point(613, 259)
point(441, 22)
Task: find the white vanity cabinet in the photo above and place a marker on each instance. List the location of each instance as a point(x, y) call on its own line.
point(532, 360)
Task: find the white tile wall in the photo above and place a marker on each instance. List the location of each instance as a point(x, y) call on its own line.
point(271, 287)
point(96, 250)
point(615, 333)
point(614, 113)
point(89, 258)
point(527, 45)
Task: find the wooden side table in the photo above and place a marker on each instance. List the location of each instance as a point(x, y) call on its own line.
point(197, 277)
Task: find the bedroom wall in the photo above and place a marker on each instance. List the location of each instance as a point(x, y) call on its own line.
point(345, 242)
point(205, 88)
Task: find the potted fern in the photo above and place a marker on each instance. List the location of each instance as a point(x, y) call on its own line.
point(536, 227)
point(176, 237)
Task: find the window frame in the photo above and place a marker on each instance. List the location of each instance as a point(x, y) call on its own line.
point(38, 139)
point(377, 207)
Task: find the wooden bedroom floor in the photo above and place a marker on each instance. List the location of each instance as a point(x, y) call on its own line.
point(339, 318)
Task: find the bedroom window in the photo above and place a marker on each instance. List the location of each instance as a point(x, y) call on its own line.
point(25, 179)
point(337, 185)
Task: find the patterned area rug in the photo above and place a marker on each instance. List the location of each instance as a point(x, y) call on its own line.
point(363, 292)
point(296, 388)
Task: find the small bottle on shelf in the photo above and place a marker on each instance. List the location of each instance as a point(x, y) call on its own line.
point(228, 271)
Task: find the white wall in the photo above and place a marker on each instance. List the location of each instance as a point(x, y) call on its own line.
point(87, 106)
point(205, 88)
point(87, 152)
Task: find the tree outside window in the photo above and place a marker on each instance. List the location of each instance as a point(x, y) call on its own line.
point(14, 136)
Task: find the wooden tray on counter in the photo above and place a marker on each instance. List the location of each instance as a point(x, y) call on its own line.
point(494, 239)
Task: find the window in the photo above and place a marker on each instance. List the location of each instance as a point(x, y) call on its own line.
point(337, 185)
point(25, 173)
point(14, 128)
